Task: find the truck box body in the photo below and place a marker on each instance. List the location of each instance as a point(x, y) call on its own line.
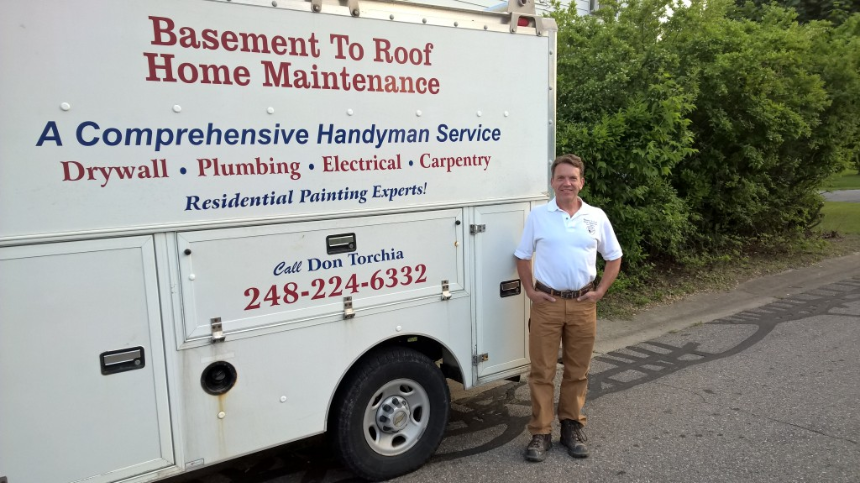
point(214, 214)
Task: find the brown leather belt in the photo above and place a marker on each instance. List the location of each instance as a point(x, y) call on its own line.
point(570, 294)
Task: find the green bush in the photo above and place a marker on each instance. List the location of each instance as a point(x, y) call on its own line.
point(758, 103)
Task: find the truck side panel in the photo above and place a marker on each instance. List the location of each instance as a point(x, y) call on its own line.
point(193, 113)
point(83, 390)
point(286, 379)
point(258, 192)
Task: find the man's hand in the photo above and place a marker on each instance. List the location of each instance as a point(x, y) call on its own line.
point(538, 297)
point(524, 270)
point(610, 272)
point(591, 296)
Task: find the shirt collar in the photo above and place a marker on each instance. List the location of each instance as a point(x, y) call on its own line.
point(553, 206)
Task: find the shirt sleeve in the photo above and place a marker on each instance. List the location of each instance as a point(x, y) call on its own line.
point(608, 245)
point(526, 247)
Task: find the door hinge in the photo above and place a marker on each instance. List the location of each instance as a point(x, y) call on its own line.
point(477, 359)
point(521, 8)
point(217, 330)
point(475, 229)
point(348, 313)
point(354, 9)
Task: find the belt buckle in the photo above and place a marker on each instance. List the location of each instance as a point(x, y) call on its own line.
point(575, 294)
point(569, 294)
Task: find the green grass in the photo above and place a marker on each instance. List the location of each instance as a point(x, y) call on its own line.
point(671, 284)
point(846, 180)
point(841, 217)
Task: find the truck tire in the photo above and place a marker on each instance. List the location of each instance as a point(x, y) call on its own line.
point(391, 414)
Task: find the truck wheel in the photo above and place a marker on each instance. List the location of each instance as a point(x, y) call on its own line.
point(390, 416)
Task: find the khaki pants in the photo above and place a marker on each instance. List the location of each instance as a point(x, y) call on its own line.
point(575, 325)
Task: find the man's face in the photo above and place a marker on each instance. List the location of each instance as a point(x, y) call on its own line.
point(566, 182)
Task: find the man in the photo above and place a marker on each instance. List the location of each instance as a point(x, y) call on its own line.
point(565, 235)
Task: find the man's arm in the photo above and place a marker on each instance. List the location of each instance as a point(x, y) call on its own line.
point(610, 273)
point(524, 269)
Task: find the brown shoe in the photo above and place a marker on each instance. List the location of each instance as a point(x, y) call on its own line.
point(537, 448)
point(573, 437)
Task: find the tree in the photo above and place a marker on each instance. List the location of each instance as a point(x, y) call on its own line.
point(835, 11)
point(706, 128)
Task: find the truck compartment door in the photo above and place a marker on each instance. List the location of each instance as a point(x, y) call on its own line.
point(83, 390)
point(293, 274)
point(501, 308)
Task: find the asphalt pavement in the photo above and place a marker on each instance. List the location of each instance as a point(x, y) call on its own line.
point(852, 196)
point(759, 384)
point(756, 384)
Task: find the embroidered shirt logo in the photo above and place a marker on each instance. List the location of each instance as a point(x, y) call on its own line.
point(591, 225)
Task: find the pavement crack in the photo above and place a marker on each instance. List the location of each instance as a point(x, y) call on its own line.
point(685, 390)
point(788, 423)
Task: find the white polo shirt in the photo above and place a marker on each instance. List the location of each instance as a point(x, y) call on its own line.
point(566, 246)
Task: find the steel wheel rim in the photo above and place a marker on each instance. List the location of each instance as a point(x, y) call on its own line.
point(407, 422)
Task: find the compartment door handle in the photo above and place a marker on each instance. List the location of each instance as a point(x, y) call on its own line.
point(510, 288)
point(342, 243)
point(113, 362)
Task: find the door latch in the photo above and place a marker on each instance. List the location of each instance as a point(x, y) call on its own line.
point(348, 312)
point(217, 330)
point(446, 292)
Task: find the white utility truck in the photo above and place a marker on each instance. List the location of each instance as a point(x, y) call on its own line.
point(228, 225)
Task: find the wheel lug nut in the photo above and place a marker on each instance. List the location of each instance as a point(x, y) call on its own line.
point(384, 419)
point(386, 408)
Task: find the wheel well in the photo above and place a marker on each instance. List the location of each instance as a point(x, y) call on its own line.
point(425, 345)
point(428, 346)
